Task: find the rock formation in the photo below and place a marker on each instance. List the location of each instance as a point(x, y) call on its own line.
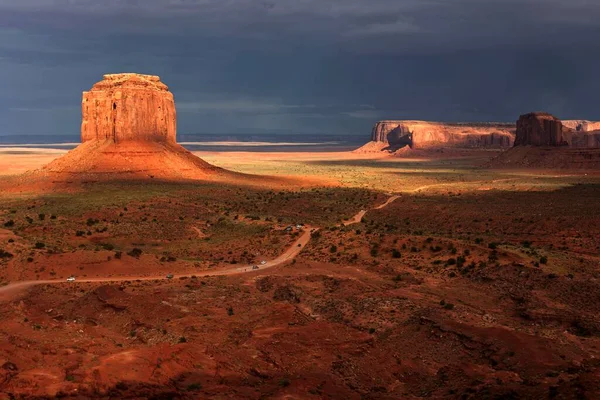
point(429, 135)
point(125, 107)
point(543, 141)
point(539, 129)
point(128, 130)
point(581, 125)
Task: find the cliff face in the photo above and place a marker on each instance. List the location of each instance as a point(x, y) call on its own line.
point(128, 130)
point(581, 125)
point(539, 129)
point(125, 107)
point(423, 135)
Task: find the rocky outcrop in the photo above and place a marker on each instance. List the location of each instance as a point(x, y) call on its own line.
point(129, 131)
point(427, 135)
point(125, 107)
point(581, 125)
point(539, 129)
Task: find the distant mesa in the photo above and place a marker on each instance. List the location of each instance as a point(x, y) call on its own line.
point(544, 141)
point(539, 129)
point(128, 130)
point(533, 129)
point(543, 129)
point(395, 135)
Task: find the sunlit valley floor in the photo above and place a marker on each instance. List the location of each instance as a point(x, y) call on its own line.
point(472, 283)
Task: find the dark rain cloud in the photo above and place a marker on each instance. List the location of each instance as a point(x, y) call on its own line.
point(303, 65)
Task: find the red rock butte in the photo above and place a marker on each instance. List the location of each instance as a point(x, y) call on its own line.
point(128, 130)
point(125, 107)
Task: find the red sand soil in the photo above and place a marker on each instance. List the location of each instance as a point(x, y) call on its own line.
point(443, 290)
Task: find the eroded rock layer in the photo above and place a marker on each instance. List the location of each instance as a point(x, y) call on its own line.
point(128, 131)
point(539, 129)
point(124, 107)
point(423, 134)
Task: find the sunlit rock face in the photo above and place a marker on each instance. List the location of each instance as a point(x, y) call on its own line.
point(424, 134)
point(128, 107)
point(128, 130)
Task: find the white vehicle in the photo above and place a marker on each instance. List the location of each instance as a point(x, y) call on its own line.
point(71, 279)
point(299, 226)
point(263, 262)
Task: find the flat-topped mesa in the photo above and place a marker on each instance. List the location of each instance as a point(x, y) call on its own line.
point(129, 107)
point(540, 129)
point(427, 135)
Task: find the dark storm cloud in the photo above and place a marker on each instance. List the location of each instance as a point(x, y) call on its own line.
point(313, 65)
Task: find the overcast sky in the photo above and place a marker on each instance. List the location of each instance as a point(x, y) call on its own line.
point(303, 66)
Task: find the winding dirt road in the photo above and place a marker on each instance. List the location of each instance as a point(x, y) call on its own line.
point(11, 290)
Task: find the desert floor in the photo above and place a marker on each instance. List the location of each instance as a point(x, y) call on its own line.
point(422, 277)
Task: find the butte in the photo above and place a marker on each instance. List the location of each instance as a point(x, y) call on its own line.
point(128, 131)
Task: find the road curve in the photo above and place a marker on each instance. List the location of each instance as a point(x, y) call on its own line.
point(12, 289)
point(9, 291)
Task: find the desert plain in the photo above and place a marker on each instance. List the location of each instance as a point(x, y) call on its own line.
point(428, 275)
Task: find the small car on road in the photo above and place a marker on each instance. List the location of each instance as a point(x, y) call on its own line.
point(71, 279)
point(169, 276)
point(255, 267)
point(263, 262)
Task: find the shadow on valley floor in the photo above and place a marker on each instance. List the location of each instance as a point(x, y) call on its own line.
point(409, 163)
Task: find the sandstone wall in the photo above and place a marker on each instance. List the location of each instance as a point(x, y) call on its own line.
point(540, 129)
point(128, 107)
point(581, 125)
point(422, 134)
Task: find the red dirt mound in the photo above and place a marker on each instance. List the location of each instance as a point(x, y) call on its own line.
point(95, 160)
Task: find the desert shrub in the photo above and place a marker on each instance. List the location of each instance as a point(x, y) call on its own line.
point(80, 233)
point(40, 245)
point(108, 246)
point(194, 387)
point(91, 221)
point(396, 254)
point(493, 245)
point(333, 248)
point(135, 252)
point(182, 340)
point(286, 293)
point(5, 254)
point(284, 382)
point(118, 255)
point(230, 311)
point(544, 260)
point(449, 306)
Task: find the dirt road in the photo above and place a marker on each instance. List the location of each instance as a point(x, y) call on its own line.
point(11, 290)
